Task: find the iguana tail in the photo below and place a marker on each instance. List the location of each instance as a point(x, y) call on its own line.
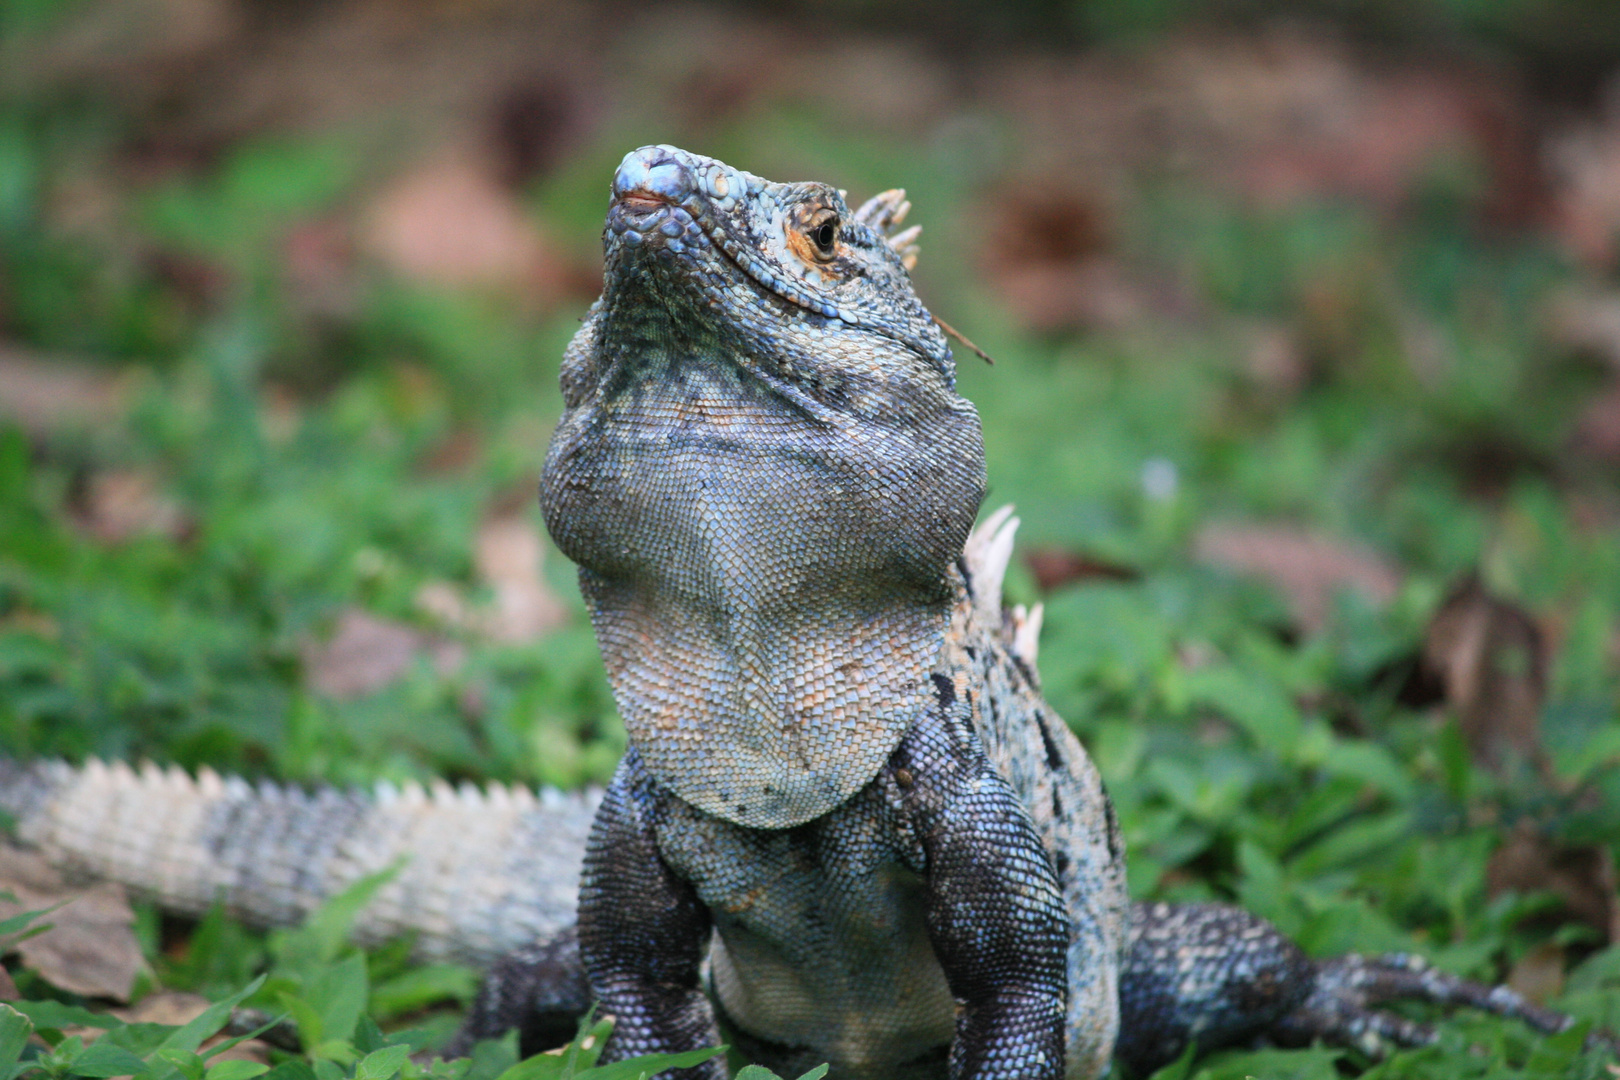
point(484, 870)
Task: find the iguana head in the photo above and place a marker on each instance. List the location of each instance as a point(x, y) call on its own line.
point(764, 473)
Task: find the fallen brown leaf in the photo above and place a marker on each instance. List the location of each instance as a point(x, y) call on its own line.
point(507, 554)
point(366, 654)
point(450, 222)
point(1491, 661)
point(1597, 430)
point(42, 394)
point(174, 1008)
point(1586, 162)
point(1581, 875)
point(1274, 360)
point(1053, 567)
point(1307, 567)
point(1093, 294)
point(1539, 973)
point(118, 504)
point(1586, 320)
point(90, 948)
point(170, 1007)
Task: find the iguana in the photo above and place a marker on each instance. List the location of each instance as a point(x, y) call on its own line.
point(848, 829)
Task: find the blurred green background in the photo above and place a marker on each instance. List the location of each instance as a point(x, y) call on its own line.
point(1306, 328)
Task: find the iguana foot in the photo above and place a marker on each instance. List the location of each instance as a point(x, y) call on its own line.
point(1219, 976)
point(539, 989)
point(1341, 1008)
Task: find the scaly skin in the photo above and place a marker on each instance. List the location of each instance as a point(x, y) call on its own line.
point(766, 477)
point(484, 871)
point(844, 788)
point(843, 792)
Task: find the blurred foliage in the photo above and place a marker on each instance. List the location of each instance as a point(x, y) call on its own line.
point(325, 992)
point(1248, 760)
point(1568, 46)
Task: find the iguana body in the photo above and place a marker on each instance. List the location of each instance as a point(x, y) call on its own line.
point(844, 792)
point(843, 795)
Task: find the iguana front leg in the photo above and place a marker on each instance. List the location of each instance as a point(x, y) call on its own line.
point(995, 912)
point(643, 934)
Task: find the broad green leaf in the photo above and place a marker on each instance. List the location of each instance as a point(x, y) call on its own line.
point(492, 1057)
point(19, 922)
point(294, 1069)
point(227, 1044)
point(422, 986)
point(1251, 702)
point(14, 1031)
point(367, 1036)
point(1554, 1055)
point(324, 933)
point(1180, 1068)
point(339, 1051)
point(649, 1064)
point(339, 994)
point(304, 1017)
point(103, 1058)
point(54, 1014)
point(186, 1062)
point(538, 1067)
point(382, 1064)
point(142, 1039)
point(235, 1069)
point(208, 1023)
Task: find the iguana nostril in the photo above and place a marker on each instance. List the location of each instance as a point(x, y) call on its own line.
point(652, 173)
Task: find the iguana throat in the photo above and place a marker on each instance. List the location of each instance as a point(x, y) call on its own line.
point(764, 496)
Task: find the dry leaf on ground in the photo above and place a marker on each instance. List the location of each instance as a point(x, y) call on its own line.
point(450, 222)
point(91, 947)
point(117, 504)
point(174, 1008)
point(366, 654)
point(1585, 320)
point(1307, 567)
point(1597, 429)
point(1491, 660)
point(1539, 973)
point(43, 394)
point(1581, 875)
point(1273, 359)
point(507, 554)
point(1052, 567)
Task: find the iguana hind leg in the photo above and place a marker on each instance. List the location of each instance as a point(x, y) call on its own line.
point(1203, 972)
point(1220, 976)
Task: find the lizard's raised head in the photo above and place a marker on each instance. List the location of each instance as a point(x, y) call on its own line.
point(764, 472)
point(680, 223)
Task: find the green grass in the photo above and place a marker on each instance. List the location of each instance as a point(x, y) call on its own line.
point(1248, 762)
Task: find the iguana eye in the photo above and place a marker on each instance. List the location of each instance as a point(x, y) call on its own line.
point(824, 237)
